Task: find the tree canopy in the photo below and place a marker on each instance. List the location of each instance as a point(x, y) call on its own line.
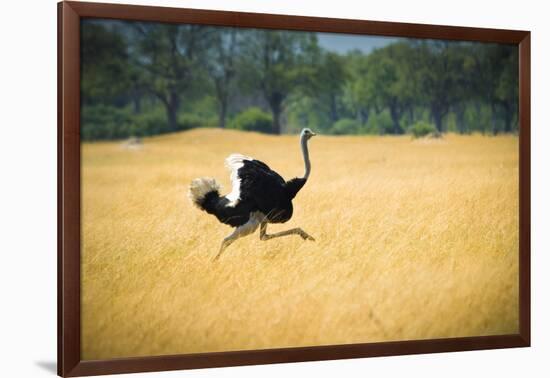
point(140, 79)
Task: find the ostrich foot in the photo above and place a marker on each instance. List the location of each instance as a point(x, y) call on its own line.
point(306, 236)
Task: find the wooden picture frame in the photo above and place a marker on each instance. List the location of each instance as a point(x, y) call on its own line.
point(69, 358)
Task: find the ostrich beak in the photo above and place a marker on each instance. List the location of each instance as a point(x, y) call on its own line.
point(313, 134)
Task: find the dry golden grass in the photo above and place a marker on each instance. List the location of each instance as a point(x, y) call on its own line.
point(415, 239)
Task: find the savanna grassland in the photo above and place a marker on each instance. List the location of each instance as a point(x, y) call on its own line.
point(414, 239)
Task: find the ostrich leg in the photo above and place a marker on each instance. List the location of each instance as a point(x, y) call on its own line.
point(293, 231)
point(246, 229)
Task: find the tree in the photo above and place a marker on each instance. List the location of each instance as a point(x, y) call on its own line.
point(355, 94)
point(506, 92)
point(104, 57)
point(331, 77)
point(147, 78)
point(388, 83)
point(317, 100)
point(496, 84)
point(168, 56)
point(279, 62)
point(466, 84)
point(221, 65)
point(440, 74)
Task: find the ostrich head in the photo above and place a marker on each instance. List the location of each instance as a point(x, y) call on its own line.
point(307, 133)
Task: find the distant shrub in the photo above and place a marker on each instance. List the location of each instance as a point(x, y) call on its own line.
point(191, 121)
point(149, 123)
point(422, 129)
point(252, 119)
point(204, 109)
point(379, 123)
point(105, 122)
point(102, 122)
point(346, 126)
point(155, 122)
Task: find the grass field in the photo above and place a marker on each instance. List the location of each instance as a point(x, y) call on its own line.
point(414, 239)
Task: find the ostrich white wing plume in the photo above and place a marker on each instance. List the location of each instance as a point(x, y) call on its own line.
point(234, 162)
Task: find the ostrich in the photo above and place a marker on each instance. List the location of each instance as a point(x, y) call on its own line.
point(258, 196)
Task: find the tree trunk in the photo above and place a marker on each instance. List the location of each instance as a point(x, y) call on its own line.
point(395, 116)
point(438, 119)
point(460, 125)
point(507, 117)
point(363, 116)
point(172, 107)
point(276, 110)
point(136, 100)
point(275, 101)
point(222, 97)
point(494, 126)
point(411, 115)
point(333, 110)
point(172, 115)
point(276, 120)
point(478, 126)
point(137, 104)
point(222, 115)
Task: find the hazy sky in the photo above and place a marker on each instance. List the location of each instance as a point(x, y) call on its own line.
point(342, 43)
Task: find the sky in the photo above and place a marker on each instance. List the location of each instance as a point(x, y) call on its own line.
point(336, 42)
point(343, 43)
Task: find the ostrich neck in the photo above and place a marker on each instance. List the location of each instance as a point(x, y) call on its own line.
point(305, 152)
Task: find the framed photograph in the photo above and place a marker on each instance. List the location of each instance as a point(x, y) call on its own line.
point(239, 188)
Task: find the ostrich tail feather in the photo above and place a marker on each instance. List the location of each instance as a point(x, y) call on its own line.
point(202, 189)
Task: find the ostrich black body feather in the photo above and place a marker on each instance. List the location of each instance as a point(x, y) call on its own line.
point(260, 190)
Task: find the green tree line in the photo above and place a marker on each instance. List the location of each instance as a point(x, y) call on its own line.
point(141, 79)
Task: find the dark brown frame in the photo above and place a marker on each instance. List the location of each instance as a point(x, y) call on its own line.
point(69, 361)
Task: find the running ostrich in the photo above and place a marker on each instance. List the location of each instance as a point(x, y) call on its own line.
point(259, 196)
